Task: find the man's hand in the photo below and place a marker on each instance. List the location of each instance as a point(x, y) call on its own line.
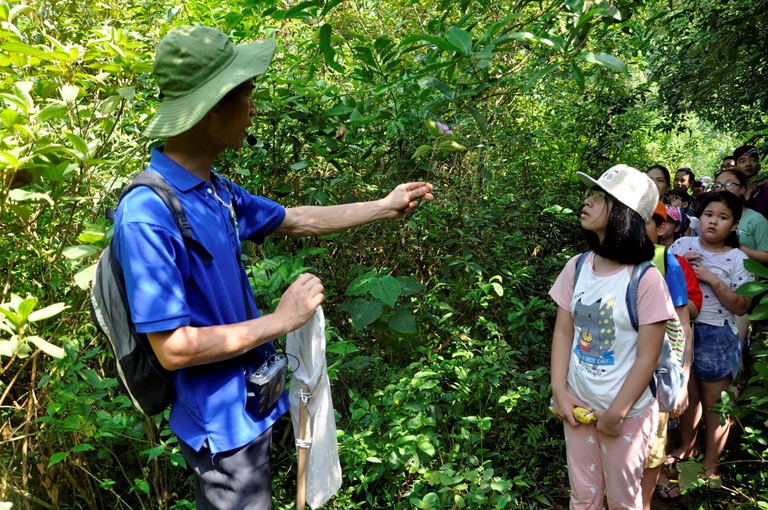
point(299, 302)
point(404, 199)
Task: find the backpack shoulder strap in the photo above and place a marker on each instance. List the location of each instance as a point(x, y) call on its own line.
point(660, 258)
point(164, 190)
point(579, 264)
point(632, 289)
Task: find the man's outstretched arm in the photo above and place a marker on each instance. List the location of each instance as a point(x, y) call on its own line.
point(320, 220)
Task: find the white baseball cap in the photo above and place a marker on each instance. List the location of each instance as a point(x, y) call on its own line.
point(629, 186)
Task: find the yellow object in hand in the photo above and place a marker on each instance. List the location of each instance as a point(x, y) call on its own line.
point(582, 414)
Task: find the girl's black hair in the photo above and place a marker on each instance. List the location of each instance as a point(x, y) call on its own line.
point(663, 171)
point(626, 239)
point(732, 202)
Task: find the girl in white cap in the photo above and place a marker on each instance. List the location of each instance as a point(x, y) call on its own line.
point(600, 361)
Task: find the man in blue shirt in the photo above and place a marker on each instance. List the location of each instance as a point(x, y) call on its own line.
point(200, 315)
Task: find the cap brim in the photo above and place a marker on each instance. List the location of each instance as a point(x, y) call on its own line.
point(176, 116)
point(588, 181)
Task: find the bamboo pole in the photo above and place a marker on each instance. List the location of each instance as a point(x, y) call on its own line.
point(302, 445)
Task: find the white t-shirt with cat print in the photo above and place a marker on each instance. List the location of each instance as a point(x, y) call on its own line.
point(604, 345)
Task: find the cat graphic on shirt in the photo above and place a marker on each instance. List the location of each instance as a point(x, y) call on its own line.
point(597, 332)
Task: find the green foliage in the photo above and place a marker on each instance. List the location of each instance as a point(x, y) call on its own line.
point(710, 58)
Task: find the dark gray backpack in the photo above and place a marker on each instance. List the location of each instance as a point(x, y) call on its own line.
point(149, 386)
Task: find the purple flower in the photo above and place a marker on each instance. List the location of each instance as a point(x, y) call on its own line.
point(445, 129)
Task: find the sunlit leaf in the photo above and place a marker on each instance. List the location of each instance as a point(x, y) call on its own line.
point(47, 312)
point(52, 112)
point(78, 143)
point(450, 146)
point(20, 195)
point(57, 457)
point(25, 307)
point(127, 92)
point(421, 150)
point(82, 447)
point(80, 251)
point(606, 60)
point(51, 350)
point(8, 347)
point(153, 453)
point(84, 277)
point(69, 93)
point(752, 288)
point(109, 104)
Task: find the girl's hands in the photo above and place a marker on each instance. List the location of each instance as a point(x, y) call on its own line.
point(609, 423)
point(682, 403)
point(702, 273)
point(564, 402)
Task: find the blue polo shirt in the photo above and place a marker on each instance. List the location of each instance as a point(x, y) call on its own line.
point(169, 286)
point(675, 279)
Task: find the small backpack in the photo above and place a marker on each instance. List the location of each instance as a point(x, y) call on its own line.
point(668, 378)
point(149, 385)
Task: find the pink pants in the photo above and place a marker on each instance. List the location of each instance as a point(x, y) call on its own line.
point(597, 462)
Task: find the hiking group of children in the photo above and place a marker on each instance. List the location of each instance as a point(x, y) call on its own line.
point(608, 336)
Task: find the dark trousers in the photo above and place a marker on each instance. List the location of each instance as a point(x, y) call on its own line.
point(239, 479)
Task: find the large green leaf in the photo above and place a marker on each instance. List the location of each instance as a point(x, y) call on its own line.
point(300, 10)
point(329, 5)
point(80, 251)
point(409, 285)
point(52, 112)
point(578, 76)
point(385, 288)
point(51, 350)
point(364, 312)
point(606, 60)
point(403, 322)
point(47, 312)
point(325, 47)
point(20, 195)
point(459, 38)
point(752, 288)
point(84, 277)
point(478, 118)
point(57, 457)
point(361, 284)
point(756, 267)
point(421, 150)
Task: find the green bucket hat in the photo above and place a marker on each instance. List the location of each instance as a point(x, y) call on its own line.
point(195, 67)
